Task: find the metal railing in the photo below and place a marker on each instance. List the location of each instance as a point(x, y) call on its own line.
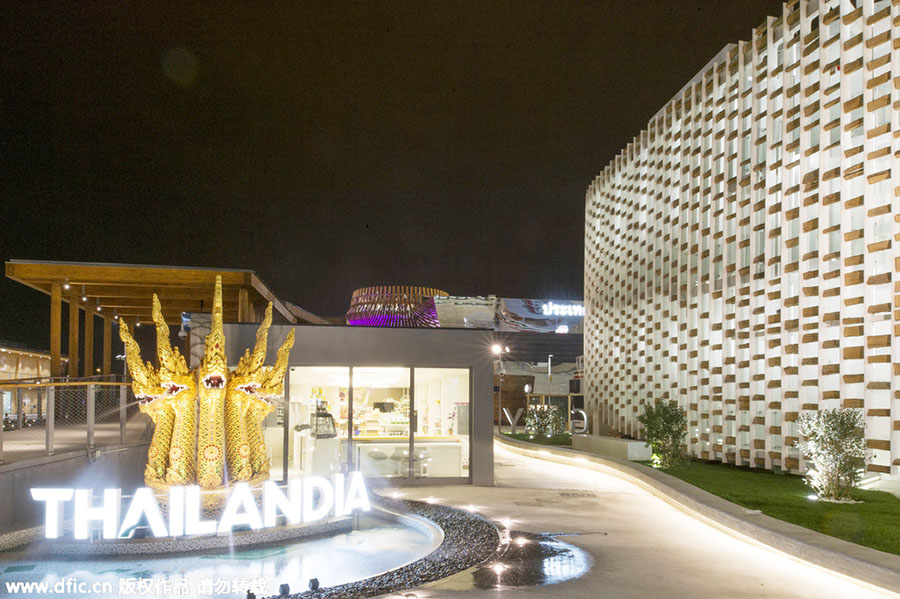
point(49, 416)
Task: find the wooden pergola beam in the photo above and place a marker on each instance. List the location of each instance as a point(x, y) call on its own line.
point(78, 273)
point(93, 290)
point(177, 285)
point(125, 290)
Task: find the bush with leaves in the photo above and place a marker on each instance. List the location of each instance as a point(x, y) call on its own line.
point(834, 444)
point(545, 421)
point(665, 429)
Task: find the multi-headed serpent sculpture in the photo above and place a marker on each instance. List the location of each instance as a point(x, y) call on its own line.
point(226, 420)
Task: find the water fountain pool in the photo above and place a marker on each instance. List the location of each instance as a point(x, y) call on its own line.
point(378, 545)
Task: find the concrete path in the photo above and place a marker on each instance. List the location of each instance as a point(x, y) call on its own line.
point(642, 547)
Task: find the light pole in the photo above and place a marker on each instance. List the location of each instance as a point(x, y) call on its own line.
point(498, 350)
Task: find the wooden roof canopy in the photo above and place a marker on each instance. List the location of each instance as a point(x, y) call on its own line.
point(126, 290)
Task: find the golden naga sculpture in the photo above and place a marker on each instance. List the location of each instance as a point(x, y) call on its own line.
point(252, 389)
point(147, 390)
point(226, 418)
point(180, 389)
point(213, 376)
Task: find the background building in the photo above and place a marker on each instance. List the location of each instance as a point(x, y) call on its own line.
point(741, 254)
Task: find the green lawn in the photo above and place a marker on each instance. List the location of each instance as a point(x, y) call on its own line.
point(874, 523)
point(563, 439)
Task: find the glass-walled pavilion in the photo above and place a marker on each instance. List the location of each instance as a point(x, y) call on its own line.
point(412, 405)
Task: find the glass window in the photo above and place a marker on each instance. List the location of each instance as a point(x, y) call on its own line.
point(319, 416)
point(381, 408)
point(336, 430)
point(442, 422)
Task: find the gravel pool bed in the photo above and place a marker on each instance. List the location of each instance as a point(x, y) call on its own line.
point(469, 540)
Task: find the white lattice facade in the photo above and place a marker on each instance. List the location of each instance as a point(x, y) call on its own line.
point(742, 254)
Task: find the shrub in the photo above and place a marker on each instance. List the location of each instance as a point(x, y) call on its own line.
point(546, 421)
point(664, 431)
point(835, 446)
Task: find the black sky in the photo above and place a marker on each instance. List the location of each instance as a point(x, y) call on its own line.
point(328, 145)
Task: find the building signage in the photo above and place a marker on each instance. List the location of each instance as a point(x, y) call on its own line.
point(554, 309)
point(302, 501)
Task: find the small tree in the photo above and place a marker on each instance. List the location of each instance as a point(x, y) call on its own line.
point(664, 431)
point(835, 446)
point(545, 421)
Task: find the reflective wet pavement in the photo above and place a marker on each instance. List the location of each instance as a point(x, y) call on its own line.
point(532, 559)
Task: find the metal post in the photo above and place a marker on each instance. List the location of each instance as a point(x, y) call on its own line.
point(286, 423)
point(123, 411)
point(413, 422)
point(51, 418)
point(90, 407)
point(350, 419)
point(20, 416)
point(500, 397)
point(1, 432)
point(40, 400)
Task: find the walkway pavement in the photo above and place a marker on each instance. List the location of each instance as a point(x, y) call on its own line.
point(641, 546)
point(889, 486)
point(31, 442)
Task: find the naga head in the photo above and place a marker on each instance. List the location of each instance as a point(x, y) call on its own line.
point(145, 379)
point(176, 380)
point(214, 369)
point(260, 385)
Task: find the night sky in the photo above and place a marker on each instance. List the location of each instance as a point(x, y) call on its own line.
point(330, 146)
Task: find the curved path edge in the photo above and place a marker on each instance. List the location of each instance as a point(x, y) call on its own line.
point(864, 564)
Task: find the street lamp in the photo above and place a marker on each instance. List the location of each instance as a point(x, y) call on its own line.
point(498, 350)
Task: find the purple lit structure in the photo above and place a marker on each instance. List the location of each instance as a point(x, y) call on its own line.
point(399, 306)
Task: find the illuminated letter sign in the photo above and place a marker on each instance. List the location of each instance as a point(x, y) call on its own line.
point(304, 500)
point(551, 309)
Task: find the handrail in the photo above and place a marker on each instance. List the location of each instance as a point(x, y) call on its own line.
point(67, 384)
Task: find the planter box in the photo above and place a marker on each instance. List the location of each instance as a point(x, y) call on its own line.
point(624, 449)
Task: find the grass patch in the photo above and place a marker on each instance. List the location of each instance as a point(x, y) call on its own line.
point(561, 439)
point(874, 523)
